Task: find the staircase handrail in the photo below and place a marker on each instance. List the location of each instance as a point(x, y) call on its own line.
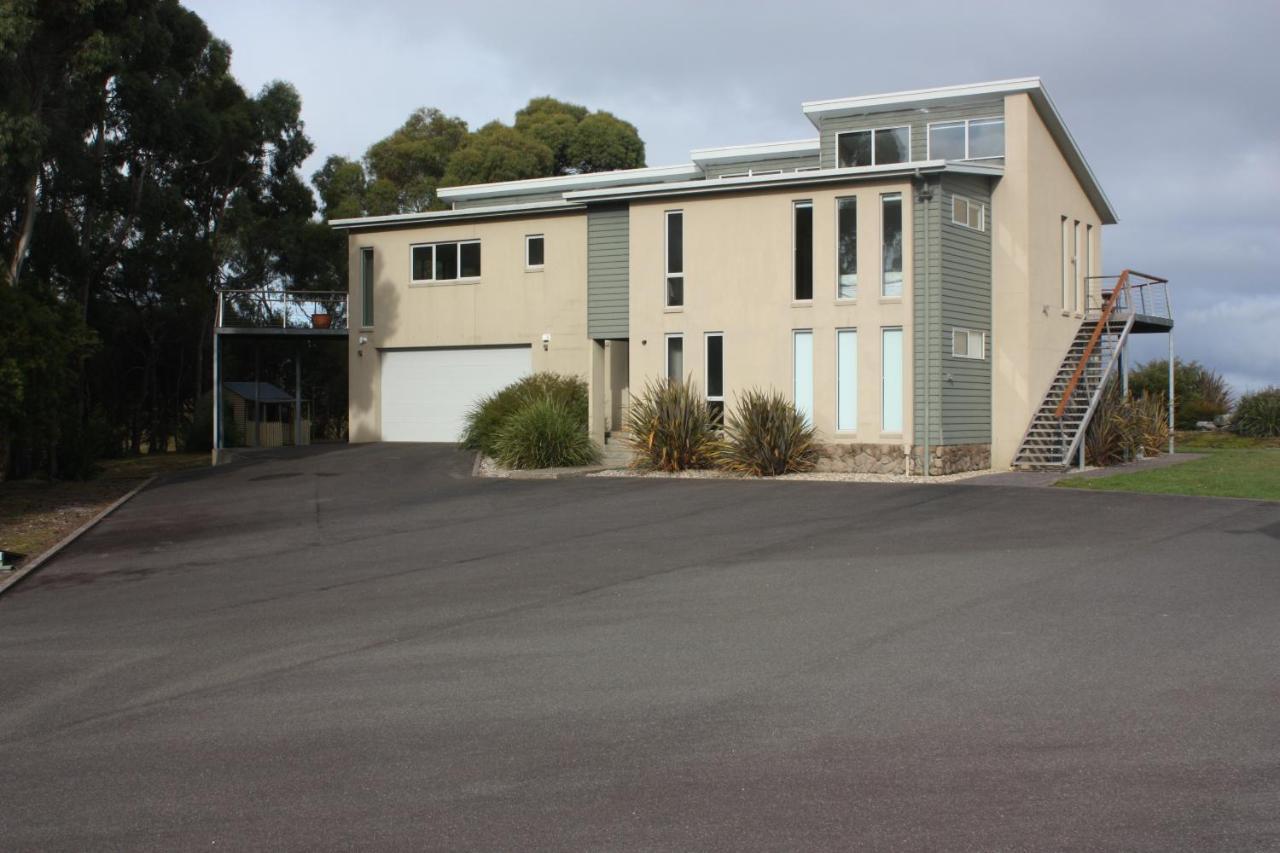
point(1108, 308)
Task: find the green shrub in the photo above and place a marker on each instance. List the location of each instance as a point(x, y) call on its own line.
point(1200, 394)
point(1122, 426)
point(671, 427)
point(486, 417)
point(765, 435)
point(1258, 415)
point(544, 433)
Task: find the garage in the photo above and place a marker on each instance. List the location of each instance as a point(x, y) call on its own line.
point(427, 392)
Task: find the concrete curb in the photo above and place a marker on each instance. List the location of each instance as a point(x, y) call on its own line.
point(9, 579)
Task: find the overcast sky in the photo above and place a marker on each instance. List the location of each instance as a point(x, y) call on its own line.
point(1175, 104)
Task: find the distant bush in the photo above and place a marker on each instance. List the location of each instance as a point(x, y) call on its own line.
point(765, 435)
point(1258, 414)
point(671, 428)
point(544, 433)
point(1200, 394)
point(487, 416)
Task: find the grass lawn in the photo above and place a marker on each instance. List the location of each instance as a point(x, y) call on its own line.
point(1233, 467)
point(36, 514)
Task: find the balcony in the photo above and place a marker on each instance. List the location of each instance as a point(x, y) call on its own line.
point(318, 313)
point(1144, 297)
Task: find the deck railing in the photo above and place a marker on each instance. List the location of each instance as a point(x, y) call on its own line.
point(1143, 295)
point(287, 309)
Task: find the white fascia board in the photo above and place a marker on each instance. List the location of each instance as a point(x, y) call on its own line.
point(449, 215)
point(814, 110)
point(787, 179)
point(759, 151)
point(565, 183)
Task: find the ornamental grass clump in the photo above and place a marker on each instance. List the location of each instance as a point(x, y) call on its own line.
point(486, 417)
point(671, 428)
point(765, 436)
point(544, 433)
point(1122, 428)
point(1258, 414)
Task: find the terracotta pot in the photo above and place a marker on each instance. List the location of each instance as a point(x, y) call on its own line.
point(321, 321)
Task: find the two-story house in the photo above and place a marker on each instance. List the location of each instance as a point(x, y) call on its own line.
point(912, 277)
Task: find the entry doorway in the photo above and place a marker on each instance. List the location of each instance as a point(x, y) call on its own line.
point(617, 358)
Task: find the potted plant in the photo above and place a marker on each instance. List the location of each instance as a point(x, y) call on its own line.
point(321, 320)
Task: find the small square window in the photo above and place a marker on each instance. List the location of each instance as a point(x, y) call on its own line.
point(423, 261)
point(966, 343)
point(534, 248)
point(968, 213)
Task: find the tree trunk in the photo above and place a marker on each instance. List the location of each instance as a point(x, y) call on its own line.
point(25, 231)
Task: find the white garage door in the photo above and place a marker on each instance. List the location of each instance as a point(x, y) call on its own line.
point(426, 393)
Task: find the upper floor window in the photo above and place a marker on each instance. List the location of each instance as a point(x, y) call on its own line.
point(891, 246)
point(847, 248)
point(875, 147)
point(967, 343)
point(453, 261)
point(534, 251)
point(970, 139)
point(675, 258)
point(802, 250)
point(969, 213)
point(366, 287)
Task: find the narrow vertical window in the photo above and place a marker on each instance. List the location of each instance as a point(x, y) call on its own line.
point(1064, 260)
point(715, 375)
point(891, 216)
point(802, 349)
point(803, 250)
point(847, 248)
point(1077, 270)
point(1088, 263)
point(675, 258)
point(366, 287)
point(534, 249)
point(891, 394)
point(675, 358)
point(847, 380)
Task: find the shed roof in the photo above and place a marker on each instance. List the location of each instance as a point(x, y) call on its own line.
point(265, 392)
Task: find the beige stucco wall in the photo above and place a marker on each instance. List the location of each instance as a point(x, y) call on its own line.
point(738, 280)
point(1030, 332)
point(508, 305)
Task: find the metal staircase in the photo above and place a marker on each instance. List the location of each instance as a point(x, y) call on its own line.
point(1058, 426)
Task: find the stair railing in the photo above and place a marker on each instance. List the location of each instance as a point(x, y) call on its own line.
point(1108, 308)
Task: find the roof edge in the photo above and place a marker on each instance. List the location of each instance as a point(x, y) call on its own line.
point(566, 182)
point(491, 211)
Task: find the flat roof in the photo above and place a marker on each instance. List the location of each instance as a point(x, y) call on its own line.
point(564, 183)
point(486, 212)
point(757, 151)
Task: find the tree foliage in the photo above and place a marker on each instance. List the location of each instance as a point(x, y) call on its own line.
point(497, 152)
point(1200, 394)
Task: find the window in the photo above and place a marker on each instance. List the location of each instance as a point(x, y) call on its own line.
point(436, 262)
point(970, 214)
point(846, 380)
point(715, 375)
point(847, 248)
point(675, 357)
point(875, 147)
point(891, 373)
point(891, 247)
point(966, 343)
point(1088, 262)
point(366, 287)
point(1077, 277)
point(1064, 261)
point(971, 139)
point(802, 354)
point(675, 258)
point(534, 251)
point(803, 250)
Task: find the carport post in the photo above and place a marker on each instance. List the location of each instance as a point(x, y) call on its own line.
point(217, 395)
point(1171, 390)
point(297, 396)
point(257, 395)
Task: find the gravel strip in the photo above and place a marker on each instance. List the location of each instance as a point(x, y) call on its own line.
point(813, 477)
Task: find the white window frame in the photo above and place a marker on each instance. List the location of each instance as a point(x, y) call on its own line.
point(928, 135)
point(969, 337)
point(1077, 276)
point(902, 225)
point(367, 290)
point(706, 367)
point(666, 260)
point(1064, 261)
point(900, 391)
point(457, 244)
point(666, 355)
point(529, 238)
point(857, 216)
point(852, 399)
point(1088, 262)
point(970, 204)
point(875, 161)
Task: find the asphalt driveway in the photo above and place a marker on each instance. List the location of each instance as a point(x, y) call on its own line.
point(364, 648)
